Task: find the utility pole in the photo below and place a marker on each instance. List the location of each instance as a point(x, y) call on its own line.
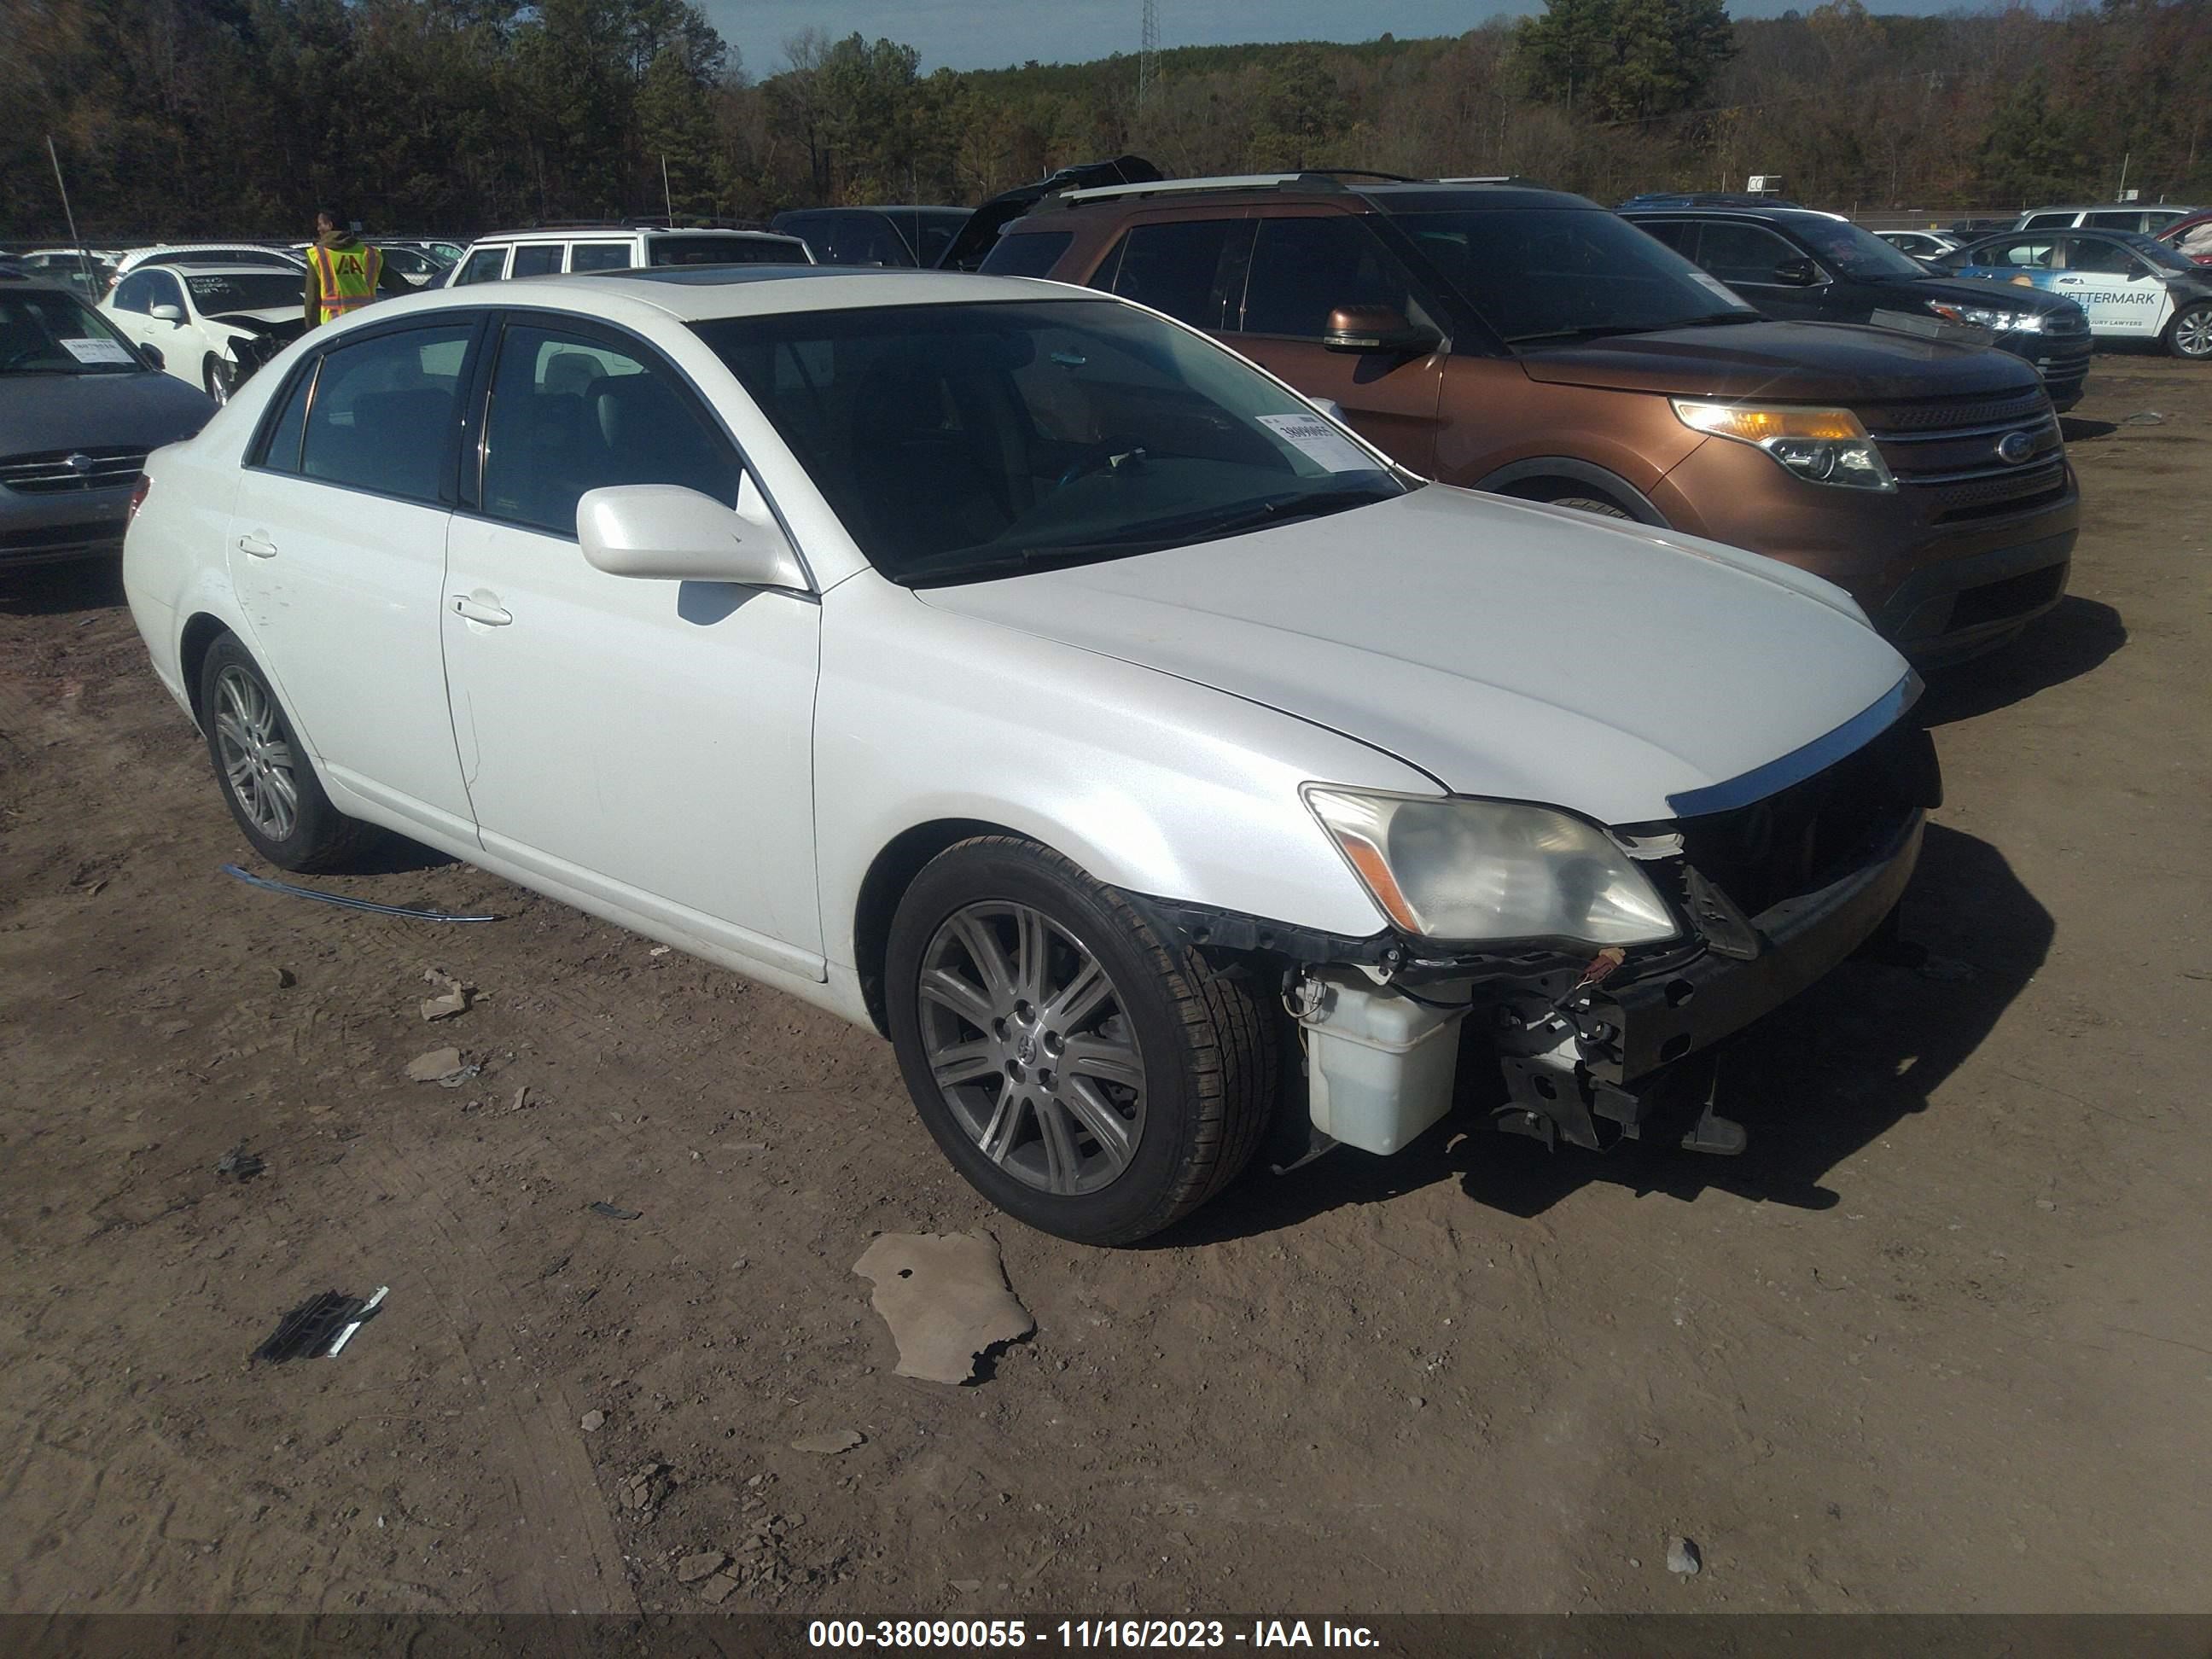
point(1148, 54)
point(666, 200)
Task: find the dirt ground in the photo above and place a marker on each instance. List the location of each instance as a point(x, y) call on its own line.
point(1941, 1341)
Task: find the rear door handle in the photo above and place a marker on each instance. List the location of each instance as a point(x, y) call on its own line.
point(477, 611)
point(259, 545)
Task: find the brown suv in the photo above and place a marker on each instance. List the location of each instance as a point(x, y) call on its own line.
point(1528, 342)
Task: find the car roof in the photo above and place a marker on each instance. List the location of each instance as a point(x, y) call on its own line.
point(244, 271)
point(693, 294)
point(611, 233)
point(1732, 210)
point(1391, 196)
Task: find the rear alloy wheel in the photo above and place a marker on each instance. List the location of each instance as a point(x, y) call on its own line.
point(1596, 504)
point(220, 378)
point(1088, 1077)
point(2190, 334)
point(267, 781)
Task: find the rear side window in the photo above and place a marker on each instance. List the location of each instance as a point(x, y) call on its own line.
point(280, 450)
point(1303, 268)
point(538, 258)
point(601, 256)
point(726, 250)
point(486, 264)
point(385, 412)
point(570, 413)
point(1187, 268)
point(2128, 219)
point(1033, 254)
point(2046, 221)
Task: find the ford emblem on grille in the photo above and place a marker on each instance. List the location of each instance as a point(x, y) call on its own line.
point(79, 462)
point(2016, 448)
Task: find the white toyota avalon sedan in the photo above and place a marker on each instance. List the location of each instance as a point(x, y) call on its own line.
point(1011, 669)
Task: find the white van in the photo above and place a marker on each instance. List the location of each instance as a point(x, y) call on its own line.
point(619, 247)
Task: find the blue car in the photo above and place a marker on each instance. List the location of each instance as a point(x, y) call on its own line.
point(2133, 287)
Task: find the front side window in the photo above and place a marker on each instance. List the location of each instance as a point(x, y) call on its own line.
point(486, 264)
point(538, 258)
point(957, 442)
point(2100, 258)
point(571, 413)
point(1304, 268)
point(1560, 273)
point(135, 293)
point(601, 256)
point(1738, 252)
point(1192, 269)
point(386, 410)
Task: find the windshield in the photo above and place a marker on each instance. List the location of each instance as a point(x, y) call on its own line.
point(212, 295)
point(726, 250)
point(960, 442)
point(2161, 254)
point(1557, 273)
point(43, 332)
point(1850, 251)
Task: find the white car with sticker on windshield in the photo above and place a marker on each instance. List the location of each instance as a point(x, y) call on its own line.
point(1016, 672)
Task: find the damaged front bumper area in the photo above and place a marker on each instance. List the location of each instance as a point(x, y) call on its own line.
point(1595, 1049)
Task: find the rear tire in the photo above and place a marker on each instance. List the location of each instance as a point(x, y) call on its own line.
point(1088, 1077)
point(267, 780)
point(2190, 334)
point(1593, 504)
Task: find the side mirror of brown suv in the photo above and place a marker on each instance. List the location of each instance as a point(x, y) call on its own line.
point(1377, 328)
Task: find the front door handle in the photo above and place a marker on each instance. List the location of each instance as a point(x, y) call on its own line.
point(480, 610)
point(257, 545)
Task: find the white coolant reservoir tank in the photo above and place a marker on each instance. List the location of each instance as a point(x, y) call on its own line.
point(1379, 1066)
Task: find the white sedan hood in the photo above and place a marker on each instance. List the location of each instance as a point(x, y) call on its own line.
point(1531, 652)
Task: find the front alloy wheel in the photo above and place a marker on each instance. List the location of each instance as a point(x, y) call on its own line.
point(220, 379)
point(1087, 1075)
point(2190, 333)
point(1029, 1047)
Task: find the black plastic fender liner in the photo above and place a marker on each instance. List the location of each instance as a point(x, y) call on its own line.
point(1610, 484)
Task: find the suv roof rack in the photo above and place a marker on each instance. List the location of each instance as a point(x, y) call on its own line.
point(1307, 179)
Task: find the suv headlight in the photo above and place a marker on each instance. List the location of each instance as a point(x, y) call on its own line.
point(1822, 445)
point(1449, 868)
point(1999, 322)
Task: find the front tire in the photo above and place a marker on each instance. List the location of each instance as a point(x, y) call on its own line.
point(267, 780)
point(2190, 334)
point(1088, 1077)
point(220, 378)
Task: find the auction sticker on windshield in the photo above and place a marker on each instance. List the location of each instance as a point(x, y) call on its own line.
point(96, 351)
point(1320, 442)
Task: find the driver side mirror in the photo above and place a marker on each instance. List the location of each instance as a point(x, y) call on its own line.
point(154, 358)
point(1797, 273)
point(167, 313)
point(1382, 329)
point(664, 532)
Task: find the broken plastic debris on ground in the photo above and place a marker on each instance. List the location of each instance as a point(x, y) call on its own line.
point(946, 1299)
point(321, 1327)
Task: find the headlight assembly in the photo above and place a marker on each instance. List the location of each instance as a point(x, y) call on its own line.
point(1822, 445)
point(1448, 868)
point(2000, 322)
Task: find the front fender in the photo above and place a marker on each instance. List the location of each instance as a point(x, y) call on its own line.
point(1148, 782)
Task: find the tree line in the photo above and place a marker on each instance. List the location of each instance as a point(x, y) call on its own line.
point(178, 117)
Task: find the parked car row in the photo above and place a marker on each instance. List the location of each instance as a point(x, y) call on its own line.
point(1265, 658)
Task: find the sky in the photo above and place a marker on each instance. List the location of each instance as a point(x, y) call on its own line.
point(994, 34)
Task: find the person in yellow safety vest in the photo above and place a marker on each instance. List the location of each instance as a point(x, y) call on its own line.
point(343, 273)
